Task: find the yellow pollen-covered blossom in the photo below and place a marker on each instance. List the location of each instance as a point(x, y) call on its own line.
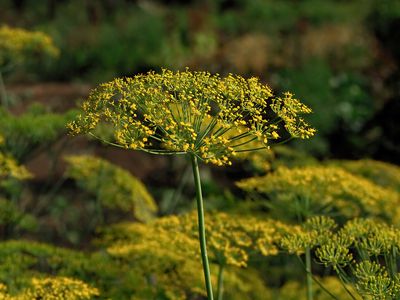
point(207, 115)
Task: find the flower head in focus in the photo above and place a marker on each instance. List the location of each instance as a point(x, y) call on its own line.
point(207, 115)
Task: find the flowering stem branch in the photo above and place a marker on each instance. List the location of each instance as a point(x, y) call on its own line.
point(316, 280)
point(151, 151)
point(343, 280)
point(220, 288)
point(309, 274)
point(202, 231)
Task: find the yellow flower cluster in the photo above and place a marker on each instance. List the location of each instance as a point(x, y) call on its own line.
point(115, 187)
point(171, 259)
point(192, 112)
point(315, 231)
point(52, 288)
point(9, 167)
point(168, 259)
point(363, 241)
point(374, 282)
point(370, 237)
point(22, 260)
point(325, 189)
point(289, 109)
point(159, 270)
point(57, 288)
point(3, 293)
point(363, 252)
point(230, 238)
point(381, 173)
point(18, 45)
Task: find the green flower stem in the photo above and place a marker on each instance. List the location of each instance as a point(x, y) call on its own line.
point(309, 274)
point(202, 231)
point(316, 280)
point(394, 261)
point(3, 93)
point(220, 288)
point(344, 280)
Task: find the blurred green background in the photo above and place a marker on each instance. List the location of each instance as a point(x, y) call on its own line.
point(340, 57)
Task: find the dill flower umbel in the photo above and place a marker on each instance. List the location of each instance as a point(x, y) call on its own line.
point(205, 116)
point(363, 253)
point(324, 189)
point(230, 241)
point(315, 231)
point(192, 112)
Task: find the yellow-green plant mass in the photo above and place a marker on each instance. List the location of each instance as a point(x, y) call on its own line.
point(230, 241)
point(329, 190)
point(11, 216)
point(114, 187)
point(364, 253)
point(52, 288)
point(379, 172)
point(167, 249)
point(9, 167)
point(192, 112)
point(18, 45)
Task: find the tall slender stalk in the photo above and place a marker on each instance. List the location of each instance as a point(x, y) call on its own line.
point(201, 225)
point(343, 280)
point(3, 93)
point(220, 288)
point(393, 264)
point(309, 274)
